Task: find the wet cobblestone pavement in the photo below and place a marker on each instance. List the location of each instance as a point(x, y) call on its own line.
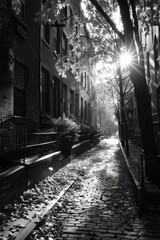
point(100, 204)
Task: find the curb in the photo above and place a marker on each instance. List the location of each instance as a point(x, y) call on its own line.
point(37, 216)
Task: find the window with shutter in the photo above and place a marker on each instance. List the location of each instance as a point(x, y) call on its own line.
point(45, 91)
point(20, 76)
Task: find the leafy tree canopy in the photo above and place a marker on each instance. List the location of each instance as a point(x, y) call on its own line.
point(84, 51)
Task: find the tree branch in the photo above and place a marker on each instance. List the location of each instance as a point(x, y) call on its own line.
point(126, 86)
point(114, 88)
point(71, 16)
point(129, 90)
point(108, 19)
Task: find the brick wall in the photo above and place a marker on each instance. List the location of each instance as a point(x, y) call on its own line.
point(27, 52)
point(6, 142)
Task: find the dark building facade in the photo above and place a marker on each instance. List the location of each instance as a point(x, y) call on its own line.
point(20, 72)
point(31, 91)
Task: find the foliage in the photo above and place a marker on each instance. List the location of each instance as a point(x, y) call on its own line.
point(64, 124)
point(85, 51)
point(86, 48)
point(93, 132)
point(16, 6)
point(100, 20)
point(148, 14)
point(49, 11)
point(102, 34)
point(67, 133)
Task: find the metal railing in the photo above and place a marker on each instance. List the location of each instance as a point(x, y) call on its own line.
point(17, 145)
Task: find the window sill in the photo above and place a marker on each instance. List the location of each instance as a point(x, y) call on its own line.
point(19, 119)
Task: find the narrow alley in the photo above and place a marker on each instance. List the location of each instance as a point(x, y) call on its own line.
point(80, 120)
point(100, 204)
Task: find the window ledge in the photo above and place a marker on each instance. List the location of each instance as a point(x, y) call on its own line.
point(19, 119)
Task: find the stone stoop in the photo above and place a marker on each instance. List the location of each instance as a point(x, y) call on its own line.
point(38, 168)
point(81, 147)
point(13, 183)
point(16, 180)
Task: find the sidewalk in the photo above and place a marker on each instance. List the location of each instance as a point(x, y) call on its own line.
point(99, 204)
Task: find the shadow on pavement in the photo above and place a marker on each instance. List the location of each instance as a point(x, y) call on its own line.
point(106, 208)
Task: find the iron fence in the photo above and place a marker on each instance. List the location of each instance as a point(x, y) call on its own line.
point(18, 145)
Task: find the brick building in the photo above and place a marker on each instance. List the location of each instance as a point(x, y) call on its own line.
point(31, 91)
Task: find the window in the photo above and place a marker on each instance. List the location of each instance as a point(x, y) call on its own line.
point(85, 80)
point(82, 78)
point(77, 106)
point(19, 8)
point(45, 31)
point(64, 44)
point(57, 37)
point(45, 28)
point(71, 102)
point(65, 99)
point(88, 112)
point(82, 110)
point(148, 66)
point(85, 112)
point(156, 62)
point(45, 91)
point(56, 97)
point(88, 86)
point(64, 11)
point(71, 17)
point(20, 76)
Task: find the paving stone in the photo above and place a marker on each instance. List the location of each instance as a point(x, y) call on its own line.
point(102, 206)
point(108, 235)
point(64, 235)
point(72, 236)
point(115, 231)
point(70, 229)
point(104, 238)
point(130, 237)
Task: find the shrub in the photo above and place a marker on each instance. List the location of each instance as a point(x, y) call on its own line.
point(67, 133)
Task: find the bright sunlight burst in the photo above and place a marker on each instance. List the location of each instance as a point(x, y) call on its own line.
point(125, 59)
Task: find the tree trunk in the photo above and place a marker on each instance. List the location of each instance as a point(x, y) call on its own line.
point(137, 73)
point(138, 79)
point(145, 121)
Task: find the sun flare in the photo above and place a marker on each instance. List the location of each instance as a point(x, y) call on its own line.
point(125, 59)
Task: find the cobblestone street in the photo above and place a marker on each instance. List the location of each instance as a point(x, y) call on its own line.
point(100, 205)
